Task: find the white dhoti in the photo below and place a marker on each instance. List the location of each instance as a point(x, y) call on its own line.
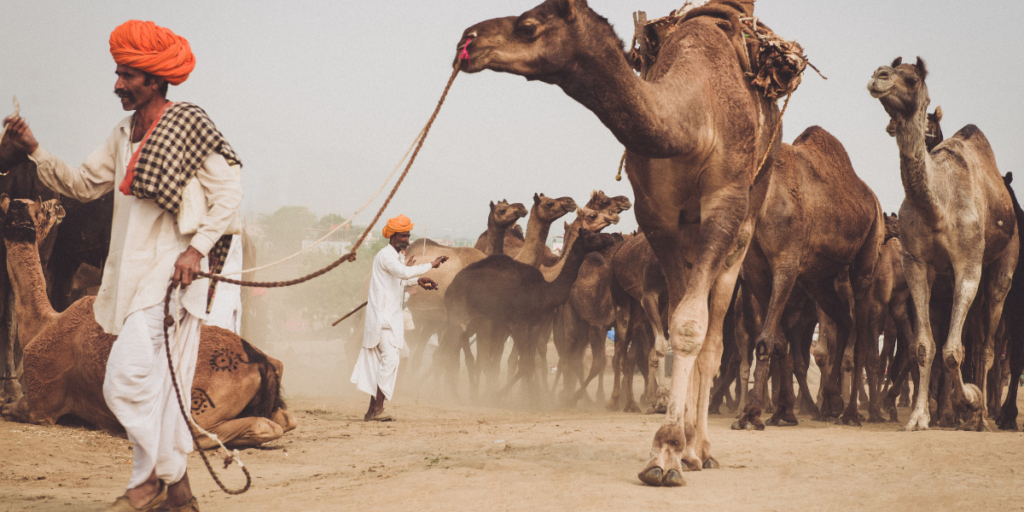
point(139, 392)
point(377, 367)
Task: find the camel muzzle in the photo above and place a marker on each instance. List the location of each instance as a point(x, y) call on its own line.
point(19, 226)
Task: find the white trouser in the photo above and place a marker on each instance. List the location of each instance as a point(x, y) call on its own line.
point(139, 392)
point(377, 367)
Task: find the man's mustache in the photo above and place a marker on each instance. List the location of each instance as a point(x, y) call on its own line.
point(121, 93)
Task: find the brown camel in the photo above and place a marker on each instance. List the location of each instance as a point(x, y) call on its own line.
point(1014, 331)
point(544, 211)
point(692, 152)
point(513, 294)
point(589, 313)
point(235, 392)
point(638, 285)
point(427, 308)
point(833, 225)
point(957, 222)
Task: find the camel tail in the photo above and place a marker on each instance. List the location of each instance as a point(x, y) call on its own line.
point(268, 398)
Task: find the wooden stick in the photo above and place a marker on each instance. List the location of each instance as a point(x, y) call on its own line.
point(350, 313)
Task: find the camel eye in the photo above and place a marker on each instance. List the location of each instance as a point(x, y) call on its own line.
point(527, 29)
point(911, 81)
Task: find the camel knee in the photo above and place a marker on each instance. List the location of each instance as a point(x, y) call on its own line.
point(687, 337)
point(285, 419)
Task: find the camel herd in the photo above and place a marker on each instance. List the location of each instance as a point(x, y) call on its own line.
point(747, 245)
point(779, 237)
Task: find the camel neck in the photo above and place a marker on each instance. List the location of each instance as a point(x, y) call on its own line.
point(495, 238)
point(536, 238)
point(916, 167)
point(568, 241)
point(654, 120)
point(560, 287)
point(26, 273)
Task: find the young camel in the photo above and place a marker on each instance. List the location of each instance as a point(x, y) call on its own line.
point(957, 222)
point(544, 211)
point(427, 309)
point(235, 393)
point(692, 152)
point(513, 294)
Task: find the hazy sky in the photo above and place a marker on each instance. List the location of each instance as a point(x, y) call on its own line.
point(320, 99)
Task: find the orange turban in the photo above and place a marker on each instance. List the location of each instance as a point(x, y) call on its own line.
point(153, 49)
point(398, 224)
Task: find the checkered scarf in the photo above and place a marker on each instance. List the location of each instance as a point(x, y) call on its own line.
point(171, 156)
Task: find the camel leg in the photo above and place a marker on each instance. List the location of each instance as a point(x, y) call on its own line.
point(242, 433)
point(618, 360)
point(742, 333)
point(771, 341)
point(10, 387)
point(699, 297)
point(838, 312)
point(802, 359)
point(920, 280)
point(996, 376)
point(655, 368)
point(1015, 352)
point(997, 283)
point(964, 397)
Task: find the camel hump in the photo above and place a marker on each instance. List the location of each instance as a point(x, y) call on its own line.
point(826, 148)
point(970, 132)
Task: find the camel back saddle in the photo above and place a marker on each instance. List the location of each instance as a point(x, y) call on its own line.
point(774, 65)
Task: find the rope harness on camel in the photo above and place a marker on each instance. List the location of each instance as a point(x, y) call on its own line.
point(169, 320)
point(773, 65)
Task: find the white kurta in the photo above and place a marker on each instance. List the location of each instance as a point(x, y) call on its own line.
point(144, 246)
point(144, 239)
point(226, 311)
point(384, 332)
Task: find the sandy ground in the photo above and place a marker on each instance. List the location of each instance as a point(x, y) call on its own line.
point(455, 457)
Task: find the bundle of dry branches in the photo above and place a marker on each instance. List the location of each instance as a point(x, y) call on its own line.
point(773, 64)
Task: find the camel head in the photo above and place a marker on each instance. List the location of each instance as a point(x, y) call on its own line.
point(504, 214)
point(549, 209)
point(892, 226)
point(539, 44)
point(932, 136)
point(901, 89)
point(589, 241)
point(593, 220)
point(29, 221)
point(599, 201)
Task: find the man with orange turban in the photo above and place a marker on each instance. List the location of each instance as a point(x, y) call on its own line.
point(384, 333)
point(150, 157)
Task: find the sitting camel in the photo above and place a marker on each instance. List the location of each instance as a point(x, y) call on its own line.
point(957, 223)
point(236, 390)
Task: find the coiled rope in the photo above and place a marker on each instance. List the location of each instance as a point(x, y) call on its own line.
point(170, 320)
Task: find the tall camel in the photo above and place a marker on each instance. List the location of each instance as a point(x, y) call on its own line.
point(427, 308)
point(957, 221)
point(544, 211)
point(235, 392)
point(692, 152)
point(835, 223)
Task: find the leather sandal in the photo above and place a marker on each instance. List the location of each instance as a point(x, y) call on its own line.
point(123, 505)
point(191, 506)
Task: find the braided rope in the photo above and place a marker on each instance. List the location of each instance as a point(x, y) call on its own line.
point(350, 256)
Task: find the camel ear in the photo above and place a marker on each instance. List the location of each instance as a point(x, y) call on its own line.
point(922, 70)
point(536, 198)
point(897, 61)
point(492, 206)
point(568, 8)
point(938, 113)
point(1008, 178)
point(5, 202)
